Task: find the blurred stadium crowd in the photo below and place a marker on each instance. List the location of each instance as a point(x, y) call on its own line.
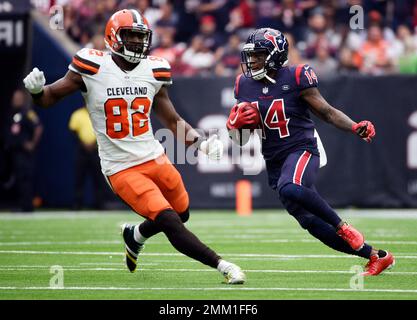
point(203, 37)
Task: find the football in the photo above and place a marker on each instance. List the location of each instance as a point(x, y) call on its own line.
point(244, 106)
point(240, 136)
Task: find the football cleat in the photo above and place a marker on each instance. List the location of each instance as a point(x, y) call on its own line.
point(376, 265)
point(132, 248)
point(233, 274)
point(352, 236)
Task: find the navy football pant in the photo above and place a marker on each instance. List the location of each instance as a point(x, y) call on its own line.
point(294, 180)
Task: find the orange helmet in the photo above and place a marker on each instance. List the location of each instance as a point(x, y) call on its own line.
point(117, 31)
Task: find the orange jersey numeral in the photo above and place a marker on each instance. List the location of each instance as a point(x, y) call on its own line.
point(140, 120)
point(117, 122)
point(95, 52)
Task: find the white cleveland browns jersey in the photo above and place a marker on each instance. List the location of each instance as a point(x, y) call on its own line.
point(119, 105)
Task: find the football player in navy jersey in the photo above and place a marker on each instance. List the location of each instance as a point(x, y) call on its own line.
point(285, 96)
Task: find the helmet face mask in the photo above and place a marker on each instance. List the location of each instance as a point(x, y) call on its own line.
point(253, 62)
point(265, 50)
point(134, 43)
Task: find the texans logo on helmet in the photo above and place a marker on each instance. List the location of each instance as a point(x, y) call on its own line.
point(271, 36)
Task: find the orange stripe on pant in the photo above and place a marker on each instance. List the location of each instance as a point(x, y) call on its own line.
point(151, 187)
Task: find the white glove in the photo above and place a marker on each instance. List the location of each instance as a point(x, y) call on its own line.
point(212, 147)
point(34, 81)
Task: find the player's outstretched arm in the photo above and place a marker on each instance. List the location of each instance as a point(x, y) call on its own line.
point(48, 95)
point(322, 109)
point(166, 113)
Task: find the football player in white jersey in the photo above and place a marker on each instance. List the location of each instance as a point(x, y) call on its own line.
point(120, 87)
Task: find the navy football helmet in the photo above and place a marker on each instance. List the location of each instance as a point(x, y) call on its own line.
point(269, 44)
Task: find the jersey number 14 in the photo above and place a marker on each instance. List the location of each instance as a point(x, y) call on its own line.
point(275, 118)
point(117, 117)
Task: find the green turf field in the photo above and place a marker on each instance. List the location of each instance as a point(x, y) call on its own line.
point(281, 260)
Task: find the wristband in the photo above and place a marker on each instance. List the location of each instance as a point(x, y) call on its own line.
point(37, 95)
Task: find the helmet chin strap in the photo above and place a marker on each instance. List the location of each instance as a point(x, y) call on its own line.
point(130, 56)
point(267, 61)
point(259, 74)
point(262, 73)
point(270, 79)
point(127, 58)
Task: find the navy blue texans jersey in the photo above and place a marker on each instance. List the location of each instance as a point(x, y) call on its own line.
point(286, 123)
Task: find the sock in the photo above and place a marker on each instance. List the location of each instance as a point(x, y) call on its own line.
point(311, 201)
point(139, 238)
point(223, 265)
point(381, 253)
point(148, 228)
point(327, 234)
point(184, 240)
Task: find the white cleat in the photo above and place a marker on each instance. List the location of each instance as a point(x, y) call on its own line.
point(233, 274)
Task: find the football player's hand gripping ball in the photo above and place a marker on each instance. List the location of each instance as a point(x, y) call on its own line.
point(212, 147)
point(241, 116)
point(35, 81)
point(364, 129)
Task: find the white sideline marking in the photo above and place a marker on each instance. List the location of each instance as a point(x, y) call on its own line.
point(31, 243)
point(65, 269)
point(273, 215)
point(76, 268)
point(267, 255)
point(207, 240)
point(109, 264)
point(211, 289)
point(64, 252)
point(94, 242)
point(217, 239)
point(80, 266)
point(392, 242)
point(317, 241)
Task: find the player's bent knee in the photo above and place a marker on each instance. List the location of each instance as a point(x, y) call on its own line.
point(294, 209)
point(184, 216)
point(289, 192)
point(154, 204)
point(181, 203)
point(169, 221)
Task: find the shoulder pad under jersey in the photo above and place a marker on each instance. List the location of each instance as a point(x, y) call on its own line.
point(87, 61)
point(305, 77)
point(161, 69)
